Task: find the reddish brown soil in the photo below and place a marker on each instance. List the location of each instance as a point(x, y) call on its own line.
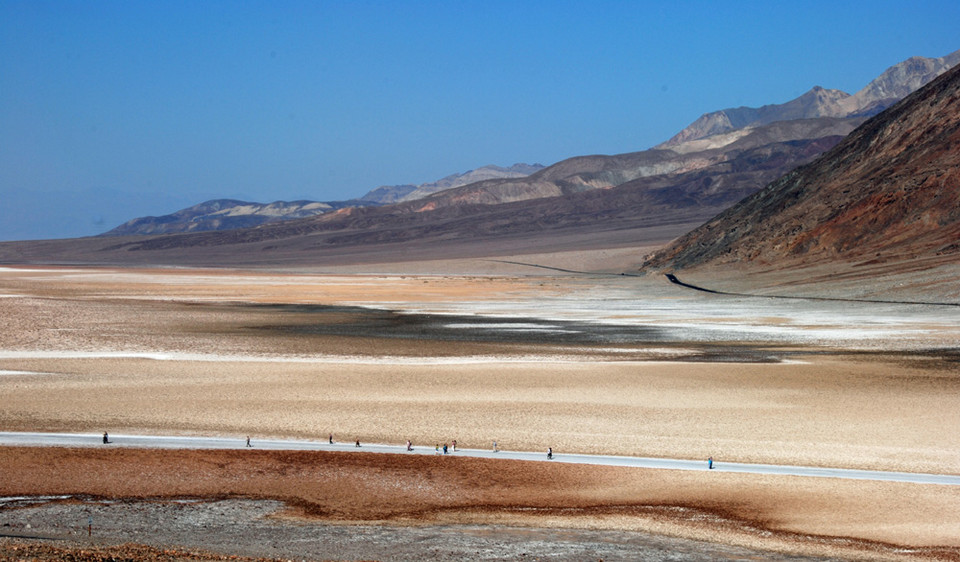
point(21, 551)
point(757, 512)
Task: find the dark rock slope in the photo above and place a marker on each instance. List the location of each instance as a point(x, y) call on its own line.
point(889, 192)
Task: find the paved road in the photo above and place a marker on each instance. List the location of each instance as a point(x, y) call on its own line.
point(174, 442)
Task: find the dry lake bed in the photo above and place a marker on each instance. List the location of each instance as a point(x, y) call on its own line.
point(611, 365)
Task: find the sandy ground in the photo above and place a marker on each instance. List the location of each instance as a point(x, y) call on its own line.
point(899, 417)
point(236, 353)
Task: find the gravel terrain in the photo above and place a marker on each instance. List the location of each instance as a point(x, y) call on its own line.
point(249, 528)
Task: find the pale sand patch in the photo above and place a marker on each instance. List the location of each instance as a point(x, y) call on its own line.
point(826, 412)
point(253, 286)
point(562, 355)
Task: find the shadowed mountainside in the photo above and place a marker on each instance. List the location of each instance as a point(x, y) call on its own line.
point(886, 201)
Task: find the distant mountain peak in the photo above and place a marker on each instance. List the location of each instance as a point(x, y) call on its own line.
point(488, 172)
point(220, 214)
point(893, 85)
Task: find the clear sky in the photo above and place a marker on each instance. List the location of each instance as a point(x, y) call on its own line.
point(110, 110)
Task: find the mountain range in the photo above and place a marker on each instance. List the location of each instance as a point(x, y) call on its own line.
point(229, 214)
point(861, 194)
point(694, 147)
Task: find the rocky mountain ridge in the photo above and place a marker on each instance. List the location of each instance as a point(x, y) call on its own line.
point(604, 172)
point(601, 172)
point(886, 199)
point(490, 172)
point(222, 214)
point(229, 214)
point(885, 90)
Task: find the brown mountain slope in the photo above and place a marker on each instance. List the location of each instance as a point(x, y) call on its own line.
point(885, 200)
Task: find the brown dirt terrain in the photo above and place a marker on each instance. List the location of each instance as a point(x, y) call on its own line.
point(779, 513)
point(25, 550)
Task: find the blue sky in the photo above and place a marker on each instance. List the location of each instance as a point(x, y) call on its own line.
point(114, 110)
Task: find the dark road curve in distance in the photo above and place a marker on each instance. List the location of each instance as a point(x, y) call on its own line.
point(676, 281)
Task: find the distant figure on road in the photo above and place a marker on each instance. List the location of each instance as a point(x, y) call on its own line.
point(248, 441)
point(549, 452)
point(105, 438)
point(331, 439)
point(409, 445)
point(710, 463)
point(445, 449)
point(358, 441)
point(495, 448)
point(454, 445)
point(437, 448)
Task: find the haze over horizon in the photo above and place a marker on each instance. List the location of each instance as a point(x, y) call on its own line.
point(112, 110)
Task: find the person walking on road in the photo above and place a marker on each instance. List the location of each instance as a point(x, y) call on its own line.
point(331, 439)
point(495, 448)
point(454, 445)
point(105, 438)
point(549, 453)
point(358, 441)
point(445, 449)
point(409, 445)
point(248, 441)
point(710, 463)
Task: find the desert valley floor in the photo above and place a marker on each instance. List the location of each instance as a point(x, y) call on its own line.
point(529, 358)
